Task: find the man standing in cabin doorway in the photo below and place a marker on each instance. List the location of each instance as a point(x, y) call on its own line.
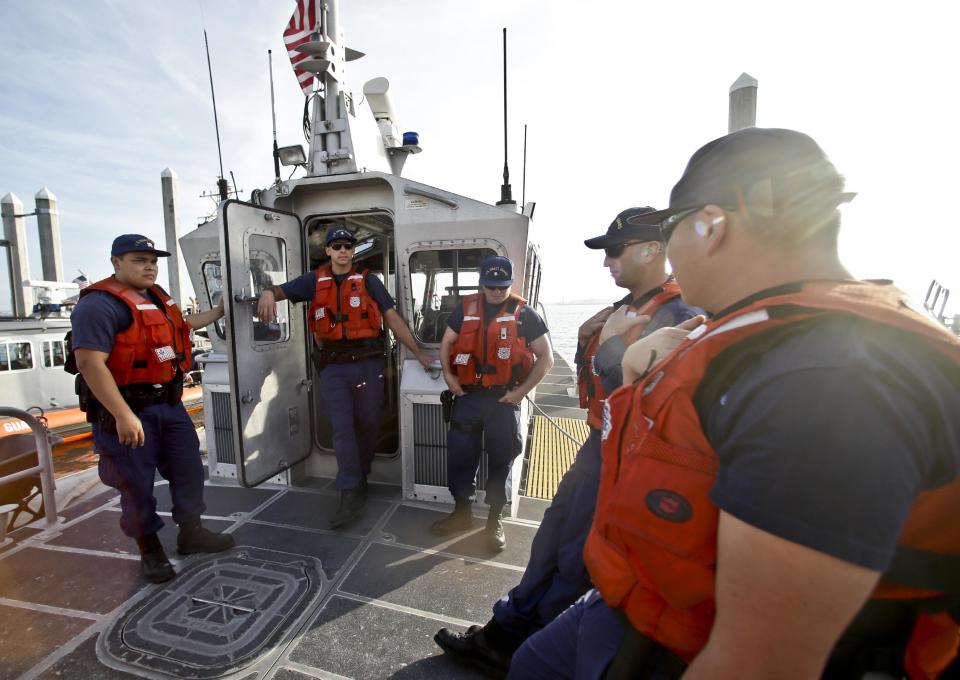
point(555, 575)
point(494, 351)
point(131, 347)
point(348, 310)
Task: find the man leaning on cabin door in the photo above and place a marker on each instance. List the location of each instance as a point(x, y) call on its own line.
point(349, 307)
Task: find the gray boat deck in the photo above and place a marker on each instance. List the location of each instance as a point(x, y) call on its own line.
point(386, 584)
point(380, 587)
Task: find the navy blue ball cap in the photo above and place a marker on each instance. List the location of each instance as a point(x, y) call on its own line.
point(135, 243)
point(340, 234)
point(624, 229)
point(767, 170)
point(496, 271)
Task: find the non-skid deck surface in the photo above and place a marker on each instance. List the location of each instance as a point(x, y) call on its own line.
point(386, 585)
point(559, 430)
point(552, 453)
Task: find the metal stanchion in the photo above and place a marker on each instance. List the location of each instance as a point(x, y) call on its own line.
point(44, 462)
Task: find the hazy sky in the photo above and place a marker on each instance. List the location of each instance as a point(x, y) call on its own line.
point(100, 96)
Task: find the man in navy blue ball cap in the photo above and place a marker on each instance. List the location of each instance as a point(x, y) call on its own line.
point(349, 307)
point(494, 350)
point(555, 575)
point(131, 346)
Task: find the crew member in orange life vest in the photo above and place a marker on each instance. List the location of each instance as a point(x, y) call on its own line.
point(494, 351)
point(131, 347)
point(796, 451)
point(555, 575)
point(348, 310)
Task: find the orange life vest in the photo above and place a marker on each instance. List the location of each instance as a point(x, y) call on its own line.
point(344, 312)
point(589, 387)
point(652, 548)
point(498, 357)
point(155, 345)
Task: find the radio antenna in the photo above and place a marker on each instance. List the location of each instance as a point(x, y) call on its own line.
point(506, 196)
point(273, 113)
point(523, 195)
point(221, 182)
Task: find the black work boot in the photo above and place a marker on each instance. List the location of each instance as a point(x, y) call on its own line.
point(154, 564)
point(351, 505)
point(461, 519)
point(488, 647)
point(496, 540)
point(194, 538)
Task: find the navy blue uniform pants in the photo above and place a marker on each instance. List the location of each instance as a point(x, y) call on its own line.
point(578, 645)
point(556, 576)
point(171, 447)
point(352, 395)
point(500, 436)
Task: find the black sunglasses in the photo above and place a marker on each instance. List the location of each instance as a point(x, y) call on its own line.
point(613, 252)
point(498, 288)
point(341, 246)
point(670, 224)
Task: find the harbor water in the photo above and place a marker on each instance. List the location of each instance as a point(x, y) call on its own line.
point(563, 322)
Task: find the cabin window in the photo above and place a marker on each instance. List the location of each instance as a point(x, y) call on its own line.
point(268, 267)
point(16, 356)
point(438, 279)
point(531, 279)
point(54, 353)
point(213, 280)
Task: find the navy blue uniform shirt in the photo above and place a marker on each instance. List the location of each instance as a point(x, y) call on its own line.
point(530, 325)
point(304, 288)
point(826, 437)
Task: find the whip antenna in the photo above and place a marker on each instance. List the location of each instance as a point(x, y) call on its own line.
point(273, 113)
point(523, 195)
point(506, 196)
point(221, 182)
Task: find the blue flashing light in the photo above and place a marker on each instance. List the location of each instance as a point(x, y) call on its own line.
point(411, 139)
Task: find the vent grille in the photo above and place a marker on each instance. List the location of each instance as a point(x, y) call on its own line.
point(430, 448)
point(222, 429)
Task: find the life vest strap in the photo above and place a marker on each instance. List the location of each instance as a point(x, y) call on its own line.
point(495, 392)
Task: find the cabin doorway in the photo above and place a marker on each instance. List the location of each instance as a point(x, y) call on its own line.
point(374, 253)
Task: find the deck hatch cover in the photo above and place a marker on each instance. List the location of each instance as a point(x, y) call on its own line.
point(217, 617)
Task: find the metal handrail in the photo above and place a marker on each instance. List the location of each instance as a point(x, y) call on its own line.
point(44, 460)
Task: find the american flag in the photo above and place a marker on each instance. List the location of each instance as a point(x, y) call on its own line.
point(81, 281)
point(302, 24)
